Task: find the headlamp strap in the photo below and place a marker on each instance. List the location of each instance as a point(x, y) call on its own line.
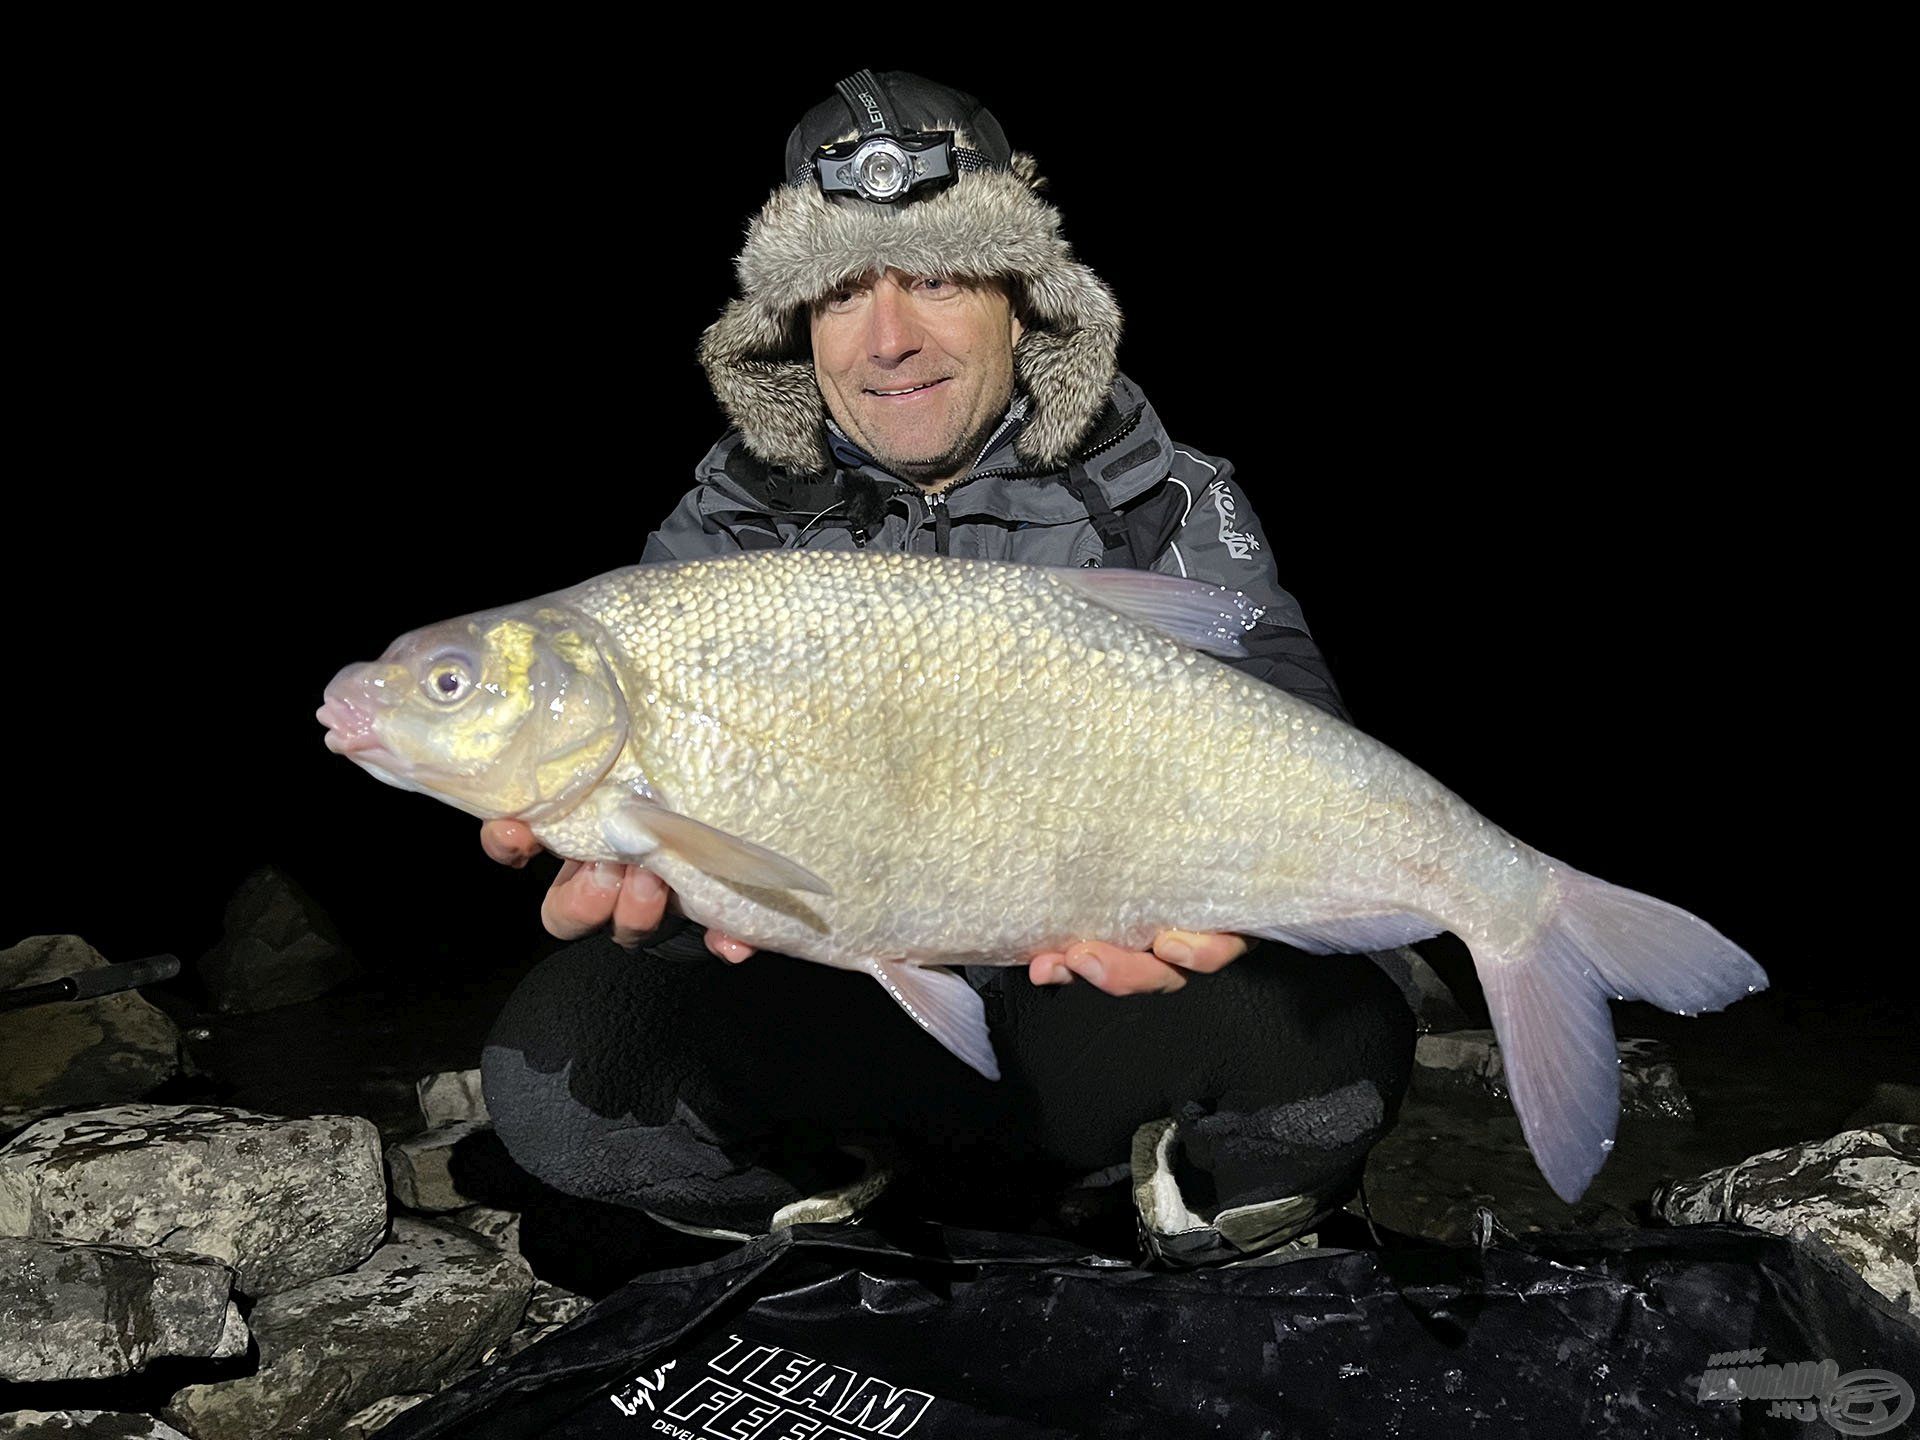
point(860, 93)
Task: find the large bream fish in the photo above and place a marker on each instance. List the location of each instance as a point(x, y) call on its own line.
point(896, 763)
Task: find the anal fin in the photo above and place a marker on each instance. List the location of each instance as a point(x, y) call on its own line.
point(943, 1004)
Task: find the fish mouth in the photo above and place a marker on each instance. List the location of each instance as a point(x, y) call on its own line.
point(350, 731)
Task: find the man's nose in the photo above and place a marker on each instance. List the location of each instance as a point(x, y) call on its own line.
point(893, 326)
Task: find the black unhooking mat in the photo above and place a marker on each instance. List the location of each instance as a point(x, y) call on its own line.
point(938, 1334)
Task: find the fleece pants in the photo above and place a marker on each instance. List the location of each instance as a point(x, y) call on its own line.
point(712, 1094)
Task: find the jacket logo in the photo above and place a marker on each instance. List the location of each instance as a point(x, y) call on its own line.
point(1240, 545)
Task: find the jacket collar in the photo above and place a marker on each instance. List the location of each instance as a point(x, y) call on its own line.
point(1126, 450)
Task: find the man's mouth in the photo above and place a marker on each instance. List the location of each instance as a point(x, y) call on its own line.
point(899, 391)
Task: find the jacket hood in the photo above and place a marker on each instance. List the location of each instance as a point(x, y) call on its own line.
point(987, 224)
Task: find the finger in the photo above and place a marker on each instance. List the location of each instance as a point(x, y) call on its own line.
point(1122, 972)
point(510, 842)
point(638, 908)
point(727, 948)
point(1049, 967)
point(1197, 950)
point(581, 898)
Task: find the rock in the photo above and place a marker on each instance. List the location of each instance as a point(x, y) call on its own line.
point(1432, 1003)
point(452, 1096)
point(379, 1415)
point(1887, 1104)
point(1470, 1060)
point(549, 1309)
point(279, 948)
point(12, 1122)
point(499, 1228)
point(117, 1424)
point(422, 1310)
point(74, 1311)
point(284, 1201)
point(1859, 1192)
point(421, 1169)
point(78, 1052)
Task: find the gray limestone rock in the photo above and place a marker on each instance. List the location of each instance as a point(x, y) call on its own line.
point(1859, 1192)
point(12, 1122)
point(1470, 1060)
point(377, 1416)
point(421, 1169)
point(450, 1097)
point(284, 1201)
point(421, 1311)
point(87, 1424)
point(78, 1052)
point(499, 1228)
point(73, 1311)
point(279, 948)
point(549, 1309)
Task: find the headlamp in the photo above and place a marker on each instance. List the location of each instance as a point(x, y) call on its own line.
point(884, 167)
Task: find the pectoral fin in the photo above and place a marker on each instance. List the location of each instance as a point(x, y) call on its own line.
point(945, 1006)
point(639, 826)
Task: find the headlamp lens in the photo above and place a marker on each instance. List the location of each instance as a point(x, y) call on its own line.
point(882, 170)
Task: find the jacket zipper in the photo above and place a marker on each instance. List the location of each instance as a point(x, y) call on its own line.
point(1127, 428)
point(937, 502)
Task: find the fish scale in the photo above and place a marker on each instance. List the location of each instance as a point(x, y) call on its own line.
point(899, 763)
point(1083, 685)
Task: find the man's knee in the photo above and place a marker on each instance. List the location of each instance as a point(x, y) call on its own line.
point(585, 1044)
point(620, 1077)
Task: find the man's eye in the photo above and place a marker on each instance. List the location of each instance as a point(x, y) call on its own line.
point(840, 300)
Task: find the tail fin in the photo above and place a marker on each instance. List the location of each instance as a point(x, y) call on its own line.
point(1549, 1006)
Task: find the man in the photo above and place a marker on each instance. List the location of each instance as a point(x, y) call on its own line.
point(918, 362)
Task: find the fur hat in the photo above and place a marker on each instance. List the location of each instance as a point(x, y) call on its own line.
point(990, 222)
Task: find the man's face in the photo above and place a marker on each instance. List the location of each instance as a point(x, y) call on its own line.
point(916, 370)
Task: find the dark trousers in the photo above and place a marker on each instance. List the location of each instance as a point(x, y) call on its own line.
point(714, 1093)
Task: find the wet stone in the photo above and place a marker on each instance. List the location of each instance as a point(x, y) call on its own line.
point(499, 1228)
point(377, 1416)
point(550, 1310)
point(1858, 1191)
point(78, 1052)
point(284, 1201)
point(450, 1097)
point(421, 1169)
point(422, 1310)
point(73, 1311)
point(1469, 1061)
point(279, 947)
point(86, 1425)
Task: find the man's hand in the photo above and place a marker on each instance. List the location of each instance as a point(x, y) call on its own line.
point(1138, 972)
point(586, 897)
point(633, 900)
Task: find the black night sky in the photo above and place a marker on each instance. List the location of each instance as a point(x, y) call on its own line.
point(1514, 365)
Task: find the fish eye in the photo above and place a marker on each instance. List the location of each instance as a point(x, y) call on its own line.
point(447, 682)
